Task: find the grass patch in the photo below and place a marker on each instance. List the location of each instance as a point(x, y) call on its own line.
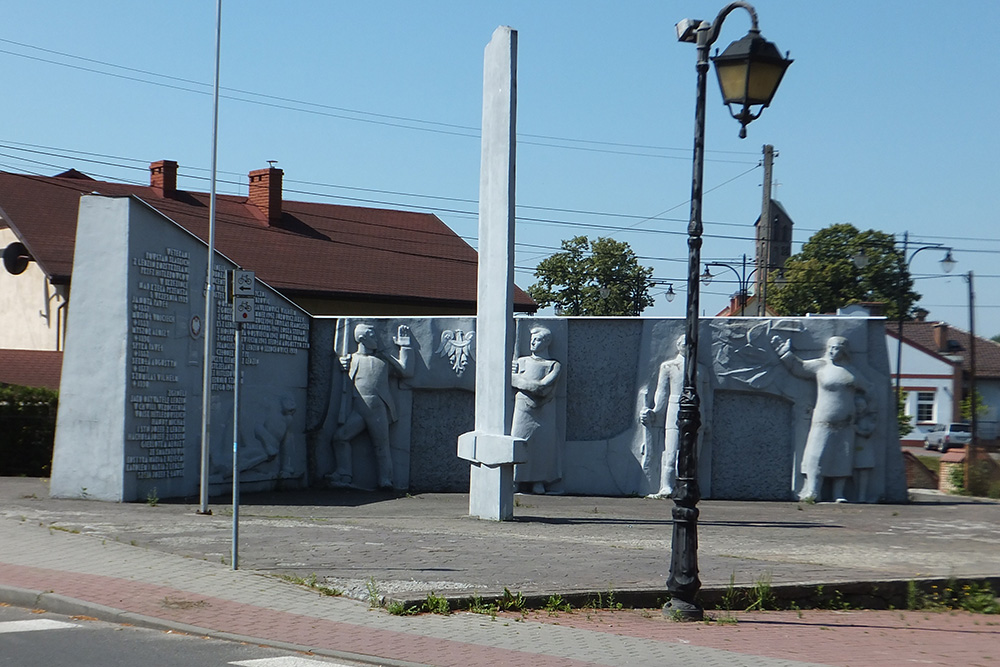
point(399, 609)
point(932, 463)
point(312, 583)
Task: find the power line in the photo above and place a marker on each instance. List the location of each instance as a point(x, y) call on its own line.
point(345, 113)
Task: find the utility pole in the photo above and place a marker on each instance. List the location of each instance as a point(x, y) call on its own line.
point(765, 229)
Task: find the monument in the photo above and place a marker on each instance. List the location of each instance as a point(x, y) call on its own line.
point(130, 396)
point(491, 448)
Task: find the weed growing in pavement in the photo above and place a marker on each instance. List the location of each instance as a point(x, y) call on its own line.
point(512, 601)
point(152, 499)
point(731, 596)
point(607, 601)
point(762, 595)
point(374, 597)
point(726, 619)
point(397, 608)
point(971, 597)
point(477, 606)
point(74, 531)
point(834, 600)
point(311, 582)
point(556, 604)
point(437, 604)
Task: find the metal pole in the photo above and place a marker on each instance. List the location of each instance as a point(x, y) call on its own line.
point(972, 359)
point(208, 329)
point(236, 448)
point(904, 264)
point(683, 582)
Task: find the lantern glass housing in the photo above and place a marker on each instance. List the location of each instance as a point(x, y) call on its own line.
point(749, 72)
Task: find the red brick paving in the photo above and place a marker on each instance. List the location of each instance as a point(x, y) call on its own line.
point(243, 619)
point(853, 637)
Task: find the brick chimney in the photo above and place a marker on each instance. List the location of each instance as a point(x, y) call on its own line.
point(941, 336)
point(265, 192)
point(163, 177)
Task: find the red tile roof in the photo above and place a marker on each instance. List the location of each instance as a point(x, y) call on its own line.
point(31, 368)
point(921, 333)
point(317, 250)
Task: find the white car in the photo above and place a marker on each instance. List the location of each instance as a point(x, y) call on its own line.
point(945, 436)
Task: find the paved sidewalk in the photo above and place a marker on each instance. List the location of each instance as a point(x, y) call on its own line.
point(162, 566)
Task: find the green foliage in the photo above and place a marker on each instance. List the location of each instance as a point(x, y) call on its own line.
point(555, 604)
point(512, 601)
point(572, 279)
point(980, 479)
point(822, 277)
point(374, 595)
point(152, 498)
point(477, 606)
point(762, 595)
point(971, 597)
point(437, 604)
point(956, 475)
point(311, 582)
point(902, 419)
point(607, 601)
point(981, 408)
point(27, 430)
point(731, 596)
point(397, 608)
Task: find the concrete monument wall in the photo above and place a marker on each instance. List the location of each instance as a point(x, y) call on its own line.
point(790, 407)
point(129, 422)
point(763, 437)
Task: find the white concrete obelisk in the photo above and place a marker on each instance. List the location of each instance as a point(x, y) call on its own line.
point(490, 448)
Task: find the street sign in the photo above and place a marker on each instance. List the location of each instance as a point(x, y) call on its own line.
point(243, 309)
point(241, 284)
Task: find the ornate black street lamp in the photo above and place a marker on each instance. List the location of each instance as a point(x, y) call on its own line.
point(749, 73)
point(742, 281)
point(905, 260)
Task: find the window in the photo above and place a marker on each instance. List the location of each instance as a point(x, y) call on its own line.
point(925, 406)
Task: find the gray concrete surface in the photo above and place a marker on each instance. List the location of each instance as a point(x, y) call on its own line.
point(411, 546)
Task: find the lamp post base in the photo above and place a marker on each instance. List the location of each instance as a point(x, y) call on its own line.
point(681, 610)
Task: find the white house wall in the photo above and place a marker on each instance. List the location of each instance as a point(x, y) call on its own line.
point(30, 314)
point(924, 372)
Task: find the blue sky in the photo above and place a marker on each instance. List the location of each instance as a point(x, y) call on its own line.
point(886, 119)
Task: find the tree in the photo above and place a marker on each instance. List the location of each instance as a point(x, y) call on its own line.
point(966, 406)
point(903, 422)
point(572, 280)
point(823, 276)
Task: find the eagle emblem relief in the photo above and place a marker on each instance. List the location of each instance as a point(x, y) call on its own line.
point(457, 346)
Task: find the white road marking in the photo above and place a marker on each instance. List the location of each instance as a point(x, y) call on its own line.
point(33, 625)
point(286, 661)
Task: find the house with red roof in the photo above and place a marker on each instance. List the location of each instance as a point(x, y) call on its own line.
point(328, 259)
point(937, 368)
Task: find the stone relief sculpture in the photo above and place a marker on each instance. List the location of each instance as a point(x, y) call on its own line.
point(276, 437)
point(659, 459)
point(366, 403)
point(534, 378)
point(456, 346)
point(841, 411)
